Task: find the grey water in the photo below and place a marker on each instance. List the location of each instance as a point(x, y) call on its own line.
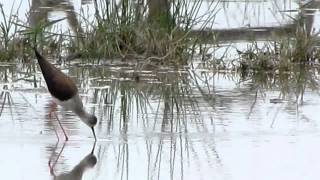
point(166, 123)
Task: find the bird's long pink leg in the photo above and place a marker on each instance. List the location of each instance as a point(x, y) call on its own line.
point(53, 108)
point(64, 132)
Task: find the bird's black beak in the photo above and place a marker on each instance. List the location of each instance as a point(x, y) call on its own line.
point(94, 134)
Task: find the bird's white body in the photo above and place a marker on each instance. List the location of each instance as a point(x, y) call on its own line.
point(74, 104)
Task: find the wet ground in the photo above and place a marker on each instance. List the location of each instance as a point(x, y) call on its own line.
point(192, 123)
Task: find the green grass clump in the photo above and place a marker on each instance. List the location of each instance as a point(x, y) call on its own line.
point(125, 30)
point(281, 54)
point(156, 33)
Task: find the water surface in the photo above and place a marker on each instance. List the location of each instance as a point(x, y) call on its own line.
point(166, 123)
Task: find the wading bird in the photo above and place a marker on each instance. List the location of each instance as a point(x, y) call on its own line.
point(65, 93)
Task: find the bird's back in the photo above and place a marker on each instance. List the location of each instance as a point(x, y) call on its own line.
point(59, 85)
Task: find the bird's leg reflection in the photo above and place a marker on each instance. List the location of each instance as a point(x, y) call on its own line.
point(89, 161)
point(52, 165)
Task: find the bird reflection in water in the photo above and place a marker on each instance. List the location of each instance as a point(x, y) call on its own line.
point(77, 172)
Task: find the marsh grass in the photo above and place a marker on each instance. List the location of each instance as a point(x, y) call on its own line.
point(5, 96)
point(17, 38)
point(137, 30)
point(8, 31)
point(153, 35)
point(125, 30)
point(283, 53)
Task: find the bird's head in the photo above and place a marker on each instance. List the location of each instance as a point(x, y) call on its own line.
point(90, 120)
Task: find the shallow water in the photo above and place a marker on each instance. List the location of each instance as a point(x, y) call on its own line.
point(191, 123)
point(223, 129)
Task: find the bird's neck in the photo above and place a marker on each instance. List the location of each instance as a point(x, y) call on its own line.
point(83, 114)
